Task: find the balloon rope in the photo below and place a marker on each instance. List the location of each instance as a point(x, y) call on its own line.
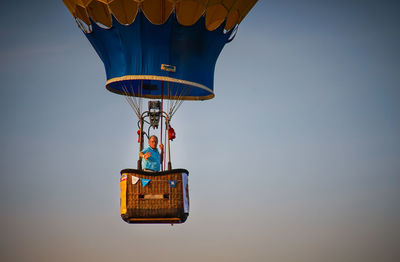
point(140, 96)
point(132, 100)
point(167, 126)
point(184, 91)
point(169, 97)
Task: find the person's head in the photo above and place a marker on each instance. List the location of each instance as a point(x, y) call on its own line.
point(153, 141)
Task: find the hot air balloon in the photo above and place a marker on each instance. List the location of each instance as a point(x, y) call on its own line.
point(164, 50)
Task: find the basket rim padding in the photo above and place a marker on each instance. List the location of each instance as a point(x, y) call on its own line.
point(159, 173)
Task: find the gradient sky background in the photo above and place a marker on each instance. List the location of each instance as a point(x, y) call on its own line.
point(296, 159)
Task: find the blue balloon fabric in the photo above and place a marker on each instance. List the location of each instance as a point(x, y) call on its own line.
point(169, 60)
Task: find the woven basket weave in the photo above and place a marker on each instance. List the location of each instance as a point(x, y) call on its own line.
point(156, 202)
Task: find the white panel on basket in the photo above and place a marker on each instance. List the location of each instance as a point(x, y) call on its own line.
point(134, 180)
point(185, 196)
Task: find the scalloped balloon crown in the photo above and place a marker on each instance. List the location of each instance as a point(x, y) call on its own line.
point(157, 12)
point(159, 48)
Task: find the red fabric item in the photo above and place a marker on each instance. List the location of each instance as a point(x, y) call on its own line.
point(171, 133)
point(138, 133)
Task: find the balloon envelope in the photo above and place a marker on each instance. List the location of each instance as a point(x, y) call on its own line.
point(157, 47)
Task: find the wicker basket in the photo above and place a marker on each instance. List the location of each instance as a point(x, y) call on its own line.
point(163, 199)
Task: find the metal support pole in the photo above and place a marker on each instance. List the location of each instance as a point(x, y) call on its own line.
point(169, 146)
point(161, 129)
point(139, 163)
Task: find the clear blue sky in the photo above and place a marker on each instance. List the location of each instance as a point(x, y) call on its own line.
point(296, 159)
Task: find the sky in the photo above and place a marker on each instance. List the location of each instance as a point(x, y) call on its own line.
point(297, 158)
